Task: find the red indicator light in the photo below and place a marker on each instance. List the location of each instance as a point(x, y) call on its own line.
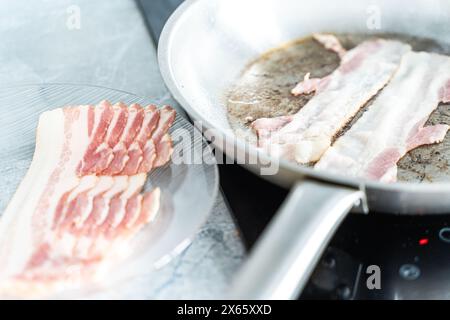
point(423, 241)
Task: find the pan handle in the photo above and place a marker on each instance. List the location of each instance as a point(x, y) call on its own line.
point(282, 260)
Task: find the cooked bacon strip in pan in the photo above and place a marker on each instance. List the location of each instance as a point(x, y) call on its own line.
point(77, 197)
point(162, 143)
point(305, 136)
point(330, 42)
point(395, 122)
point(310, 85)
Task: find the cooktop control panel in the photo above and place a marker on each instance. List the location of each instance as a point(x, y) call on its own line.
point(385, 257)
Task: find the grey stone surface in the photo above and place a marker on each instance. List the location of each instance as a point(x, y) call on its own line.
point(112, 48)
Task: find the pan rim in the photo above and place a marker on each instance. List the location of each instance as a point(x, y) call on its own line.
point(164, 48)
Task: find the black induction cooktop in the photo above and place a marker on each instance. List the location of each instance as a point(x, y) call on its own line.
point(374, 256)
point(412, 254)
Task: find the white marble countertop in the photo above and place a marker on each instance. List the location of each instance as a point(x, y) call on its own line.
point(40, 42)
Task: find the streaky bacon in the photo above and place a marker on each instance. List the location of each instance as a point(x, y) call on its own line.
point(159, 151)
point(117, 125)
point(330, 42)
point(119, 160)
point(97, 149)
point(395, 122)
point(136, 149)
point(310, 85)
point(83, 187)
point(104, 184)
point(305, 136)
point(117, 204)
point(164, 151)
point(77, 202)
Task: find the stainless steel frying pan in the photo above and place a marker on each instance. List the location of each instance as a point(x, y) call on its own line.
point(203, 48)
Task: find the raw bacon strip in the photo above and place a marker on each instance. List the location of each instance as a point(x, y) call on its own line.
point(120, 158)
point(394, 123)
point(42, 238)
point(164, 151)
point(98, 152)
point(132, 210)
point(140, 210)
point(156, 153)
point(121, 184)
point(148, 156)
point(135, 157)
point(80, 239)
point(60, 209)
point(151, 119)
point(134, 126)
point(25, 225)
point(103, 185)
point(111, 214)
point(117, 125)
point(91, 239)
point(77, 202)
point(129, 153)
point(105, 152)
point(364, 71)
point(118, 203)
point(149, 208)
point(106, 239)
point(136, 150)
point(100, 206)
point(120, 150)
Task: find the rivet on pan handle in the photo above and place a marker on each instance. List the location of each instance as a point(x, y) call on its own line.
point(283, 259)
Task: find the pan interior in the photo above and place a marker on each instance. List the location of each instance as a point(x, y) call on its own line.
point(206, 45)
point(263, 90)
